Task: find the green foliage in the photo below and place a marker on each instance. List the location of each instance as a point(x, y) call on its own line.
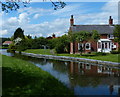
point(23, 45)
point(71, 36)
point(82, 36)
point(4, 39)
point(115, 52)
point(29, 37)
point(12, 46)
point(39, 43)
point(21, 78)
point(62, 45)
point(19, 33)
point(52, 43)
point(117, 33)
point(100, 53)
point(95, 35)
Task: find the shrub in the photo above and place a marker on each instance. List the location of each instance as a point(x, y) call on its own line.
point(115, 52)
point(100, 53)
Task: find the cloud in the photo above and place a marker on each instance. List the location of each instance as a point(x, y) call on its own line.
point(31, 10)
point(60, 23)
point(3, 32)
point(23, 18)
point(36, 16)
point(109, 9)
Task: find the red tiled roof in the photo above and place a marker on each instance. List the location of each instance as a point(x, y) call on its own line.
point(7, 42)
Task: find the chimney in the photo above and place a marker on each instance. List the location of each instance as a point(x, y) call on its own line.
point(110, 21)
point(53, 36)
point(71, 21)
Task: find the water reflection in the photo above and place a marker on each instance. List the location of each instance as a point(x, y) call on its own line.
point(82, 78)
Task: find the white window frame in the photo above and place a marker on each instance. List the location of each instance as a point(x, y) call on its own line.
point(79, 46)
point(88, 66)
point(89, 46)
point(111, 36)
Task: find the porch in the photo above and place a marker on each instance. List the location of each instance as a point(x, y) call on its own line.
point(104, 45)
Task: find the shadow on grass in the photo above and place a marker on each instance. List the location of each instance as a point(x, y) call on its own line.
point(16, 83)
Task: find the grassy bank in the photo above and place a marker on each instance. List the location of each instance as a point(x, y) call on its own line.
point(23, 78)
point(1, 47)
point(40, 51)
point(107, 57)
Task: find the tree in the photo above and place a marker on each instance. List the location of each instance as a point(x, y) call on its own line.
point(82, 37)
point(116, 34)
point(23, 45)
point(29, 37)
point(19, 33)
point(10, 5)
point(95, 35)
point(62, 45)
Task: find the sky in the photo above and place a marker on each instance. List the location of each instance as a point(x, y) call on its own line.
point(40, 18)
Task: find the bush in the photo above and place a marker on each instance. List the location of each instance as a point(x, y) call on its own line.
point(115, 52)
point(100, 53)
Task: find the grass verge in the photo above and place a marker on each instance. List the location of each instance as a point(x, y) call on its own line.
point(107, 57)
point(24, 79)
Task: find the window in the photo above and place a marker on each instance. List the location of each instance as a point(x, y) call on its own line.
point(99, 44)
point(87, 46)
point(102, 45)
point(111, 36)
point(106, 45)
point(112, 45)
point(80, 46)
point(109, 45)
point(88, 66)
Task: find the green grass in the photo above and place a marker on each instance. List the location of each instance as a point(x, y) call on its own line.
point(1, 47)
point(24, 79)
point(107, 57)
point(40, 51)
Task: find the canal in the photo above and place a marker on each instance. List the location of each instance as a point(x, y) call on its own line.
point(82, 78)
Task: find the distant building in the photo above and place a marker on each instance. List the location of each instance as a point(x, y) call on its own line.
point(52, 37)
point(7, 43)
point(106, 42)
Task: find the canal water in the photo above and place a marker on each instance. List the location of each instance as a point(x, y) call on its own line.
point(82, 78)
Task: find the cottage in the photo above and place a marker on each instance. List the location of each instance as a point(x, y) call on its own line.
point(105, 43)
point(7, 43)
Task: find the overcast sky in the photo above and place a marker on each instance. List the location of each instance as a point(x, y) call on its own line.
point(40, 19)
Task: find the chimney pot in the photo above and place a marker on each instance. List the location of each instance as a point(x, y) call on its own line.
point(71, 21)
point(110, 21)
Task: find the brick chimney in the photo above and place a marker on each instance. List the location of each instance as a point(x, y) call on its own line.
point(71, 21)
point(53, 35)
point(110, 21)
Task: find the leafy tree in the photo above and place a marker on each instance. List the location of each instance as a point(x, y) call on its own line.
point(82, 37)
point(29, 37)
point(23, 45)
point(117, 33)
point(63, 44)
point(4, 39)
point(95, 35)
point(40, 42)
point(52, 43)
point(71, 36)
point(10, 5)
point(19, 33)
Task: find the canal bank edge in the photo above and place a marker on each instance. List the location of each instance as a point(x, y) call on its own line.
point(71, 58)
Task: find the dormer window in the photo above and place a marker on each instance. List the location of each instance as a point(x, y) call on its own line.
point(87, 46)
point(111, 36)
